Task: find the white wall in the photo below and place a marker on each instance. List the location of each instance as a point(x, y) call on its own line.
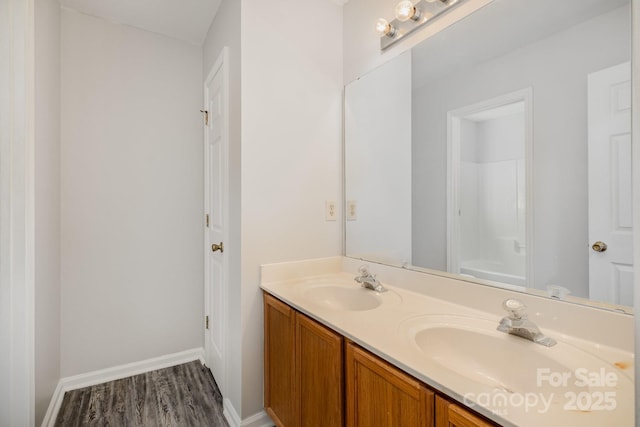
point(377, 124)
point(47, 203)
point(225, 31)
point(560, 162)
point(131, 195)
point(501, 138)
point(291, 151)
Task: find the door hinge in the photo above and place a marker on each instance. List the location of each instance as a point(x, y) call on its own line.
point(206, 117)
point(206, 322)
point(206, 220)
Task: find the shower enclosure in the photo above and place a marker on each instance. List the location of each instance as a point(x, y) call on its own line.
point(488, 190)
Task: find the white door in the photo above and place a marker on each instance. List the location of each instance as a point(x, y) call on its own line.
point(216, 218)
point(610, 193)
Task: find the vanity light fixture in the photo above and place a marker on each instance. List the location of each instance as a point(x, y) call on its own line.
point(405, 10)
point(384, 28)
point(409, 17)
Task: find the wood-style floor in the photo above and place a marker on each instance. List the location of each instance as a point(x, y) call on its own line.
point(183, 395)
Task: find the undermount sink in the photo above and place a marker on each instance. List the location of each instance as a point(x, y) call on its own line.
point(471, 348)
point(345, 296)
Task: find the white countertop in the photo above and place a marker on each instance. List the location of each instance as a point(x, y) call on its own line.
point(386, 332)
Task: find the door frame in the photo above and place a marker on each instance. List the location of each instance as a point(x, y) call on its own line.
point(454, 118)
point(221, 65)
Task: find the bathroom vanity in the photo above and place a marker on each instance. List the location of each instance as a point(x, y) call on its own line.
point(339, 354)
point(309, 368)
point(466, 161)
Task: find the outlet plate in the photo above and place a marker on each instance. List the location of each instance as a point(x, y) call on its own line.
point(330, 212)
point(352, 211)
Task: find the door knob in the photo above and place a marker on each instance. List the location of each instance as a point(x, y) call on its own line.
point(599, 246)
point(217, 247)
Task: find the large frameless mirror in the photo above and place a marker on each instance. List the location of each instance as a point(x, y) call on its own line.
point(499, 150)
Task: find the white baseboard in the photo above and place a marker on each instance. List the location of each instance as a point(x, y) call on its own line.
point(54, 406)
point(230, 413)
point(261, 419)
point(115, 373)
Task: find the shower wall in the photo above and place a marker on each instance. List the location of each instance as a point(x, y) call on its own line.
point(492, 195)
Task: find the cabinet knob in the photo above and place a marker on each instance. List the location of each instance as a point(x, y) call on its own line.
point(217, 247)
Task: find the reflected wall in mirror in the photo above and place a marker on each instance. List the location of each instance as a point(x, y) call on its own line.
point(499, 149)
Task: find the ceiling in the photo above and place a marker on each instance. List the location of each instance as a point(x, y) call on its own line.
point(186, 20)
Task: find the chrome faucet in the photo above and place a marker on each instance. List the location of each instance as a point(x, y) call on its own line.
point(368, 280)
point(516, 323)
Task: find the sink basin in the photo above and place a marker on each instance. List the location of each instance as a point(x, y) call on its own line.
point(343, 296)
point(473, 351)
point(499, 361)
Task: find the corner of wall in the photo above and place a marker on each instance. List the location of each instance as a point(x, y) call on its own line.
point(47, 203)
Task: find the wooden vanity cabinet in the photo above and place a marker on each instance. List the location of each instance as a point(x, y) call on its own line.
point(315, 377)
point(319, 374)
point(279, 361)
point(450, 414)
point(379, 394)
point(303, 372)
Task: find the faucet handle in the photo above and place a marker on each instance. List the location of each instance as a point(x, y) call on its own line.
point(515, 308)
point(363, 270)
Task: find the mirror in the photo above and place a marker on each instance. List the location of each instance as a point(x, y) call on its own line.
point(499, 150)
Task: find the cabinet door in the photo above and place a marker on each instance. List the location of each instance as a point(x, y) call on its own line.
point(379, 394)
point(450, 414)
point(319, 375)
point(279, 362)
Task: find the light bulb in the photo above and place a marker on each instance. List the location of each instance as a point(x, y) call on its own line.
point(405, 10)
point(384, 28)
